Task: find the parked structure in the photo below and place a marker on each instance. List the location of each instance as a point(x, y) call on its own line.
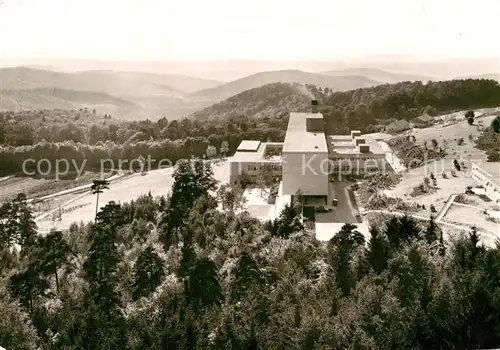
point(488, 176)
point(397, 126)
point(424, 121)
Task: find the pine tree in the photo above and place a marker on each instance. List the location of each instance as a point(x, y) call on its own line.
point(54, 253)
point(203, 288)
point(148, 273)
point(377, 251)
point(392, 232)
point(26, 226)
point(27, 286)
point(247, 277)
point(431, 231)
point(340, 249)
point(98, 187)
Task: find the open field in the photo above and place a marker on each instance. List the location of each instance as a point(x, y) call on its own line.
point(452, 132)
point(469, 216)
point(158, 182)
point(40, 187)
point(445, 187)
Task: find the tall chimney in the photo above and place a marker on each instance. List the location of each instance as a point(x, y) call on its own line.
point(314, 106)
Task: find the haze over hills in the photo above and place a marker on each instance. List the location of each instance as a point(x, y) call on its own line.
point(493, 76)
point(126, 94)
point(116, 83)
point(134, 94)
point(229, 70)
point(48, 98)
point(379, 75)
point(336, 83)
point(141, 95)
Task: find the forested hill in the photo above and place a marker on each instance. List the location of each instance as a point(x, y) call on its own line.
point(360, 108)
point(265, 101)
point(217, 279)
point(383, 103)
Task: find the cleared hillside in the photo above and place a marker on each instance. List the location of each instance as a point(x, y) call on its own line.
point(108, 82)
point(269, 100)
point(379, 75)
point(179, 82)
point(335, 83)
point(46, 98)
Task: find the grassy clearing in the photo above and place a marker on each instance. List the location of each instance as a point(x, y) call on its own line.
point(468, 216)
point(158, 182)
point(41, 187)
point(465, 152)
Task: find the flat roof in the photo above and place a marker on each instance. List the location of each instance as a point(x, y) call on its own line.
point(258, 155)
point(492, 168)
point(249, 145)
point(298, 139)
point(350, 147)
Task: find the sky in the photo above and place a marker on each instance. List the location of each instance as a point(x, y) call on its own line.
point(204, 30)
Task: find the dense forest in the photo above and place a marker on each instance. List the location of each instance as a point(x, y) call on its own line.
point(260, 114)
point(81, 135)
point(201, 278)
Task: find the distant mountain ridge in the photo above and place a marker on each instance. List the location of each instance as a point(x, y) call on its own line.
point(492, 76)
point(133, 95)
point(128, 94)
point(115, 83)
point(47, 98)
point(336, 83)
point(380, 75)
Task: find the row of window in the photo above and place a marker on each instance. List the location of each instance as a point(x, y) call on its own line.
point(368, 169)
point(353, 159)
point(258, 167)
point(480, 171)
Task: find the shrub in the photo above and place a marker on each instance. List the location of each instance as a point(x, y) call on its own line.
point(461, 199)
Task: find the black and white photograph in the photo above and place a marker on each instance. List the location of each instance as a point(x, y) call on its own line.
point(191, 175)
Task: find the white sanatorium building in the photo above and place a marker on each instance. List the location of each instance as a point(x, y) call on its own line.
point(488, 176)
point(308, 155)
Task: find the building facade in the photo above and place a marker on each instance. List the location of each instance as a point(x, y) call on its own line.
point(250, 159)
point(308, 156)
point(488, 176)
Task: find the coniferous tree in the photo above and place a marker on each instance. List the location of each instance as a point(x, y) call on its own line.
point(431, 234)
point(247, 277)
point(54, 253)
point(203, 288)
point(495, 125)
point(8, 224)
point(393, 233)
point(98, 187)
point(26, 226)
point(148, 273)
point(378, 251)
point(192, 179)
point(27, 286)
point(341, 247)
